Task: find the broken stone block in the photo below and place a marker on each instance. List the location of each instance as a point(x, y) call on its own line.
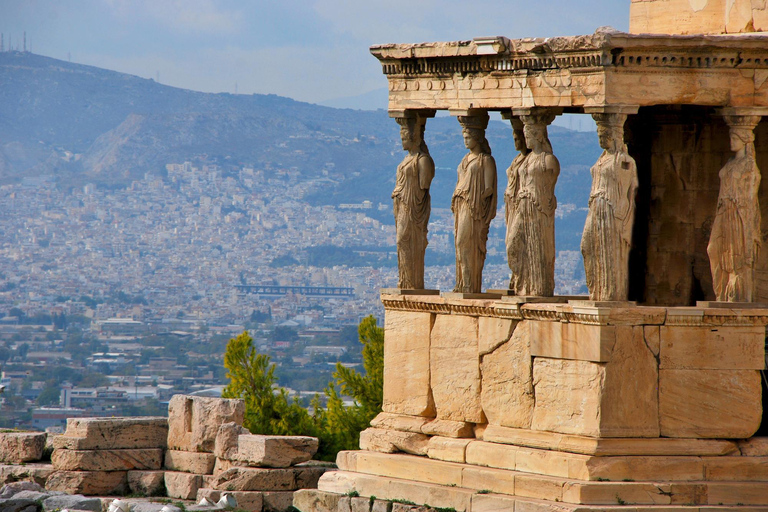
point(146, 483)
point(267, 479)
point(406, 363)
point(448, 428)
point(316, 501)
point(89, 483)
point(107, 460)
point(447, 449)
point(246, 500)
point(455, 369)
point(14, 488)
point(507, 385)
point(225, 446)
point(190, 462)
point(723, 404)
point(182, 485)
point(193, 421)
point(277, 501)
point(18, 505)
point(73, 502)
point(391, 441)
point(17, 447)
point(265, 451)
point(113, 433)
point(37, 473)
point(389, 421)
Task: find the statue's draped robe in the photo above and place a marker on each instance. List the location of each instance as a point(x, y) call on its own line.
point(411, 204)
point(531, 231)
point(472, 218)
point(734, 242)
point(607, 236)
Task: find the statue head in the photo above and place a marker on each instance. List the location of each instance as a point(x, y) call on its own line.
point(518, 134)
point(474, 133)
point(410, 133)
point(610, 131)
point(741, 137)
point(535, 130)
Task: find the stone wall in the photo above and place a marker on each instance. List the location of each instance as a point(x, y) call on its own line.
point(697, 16)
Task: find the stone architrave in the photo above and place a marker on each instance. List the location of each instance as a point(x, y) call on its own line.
point(607, 235)
point(734, 242)
point(473, 204)
point(411, 202)
point(531, 229)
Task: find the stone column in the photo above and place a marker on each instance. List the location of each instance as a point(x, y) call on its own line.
point(473, 203)
point(531, 208)
point(411, 199)
point(607, 235)
point(735, 239)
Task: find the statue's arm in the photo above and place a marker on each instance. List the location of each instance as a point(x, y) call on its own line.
point(489, 176)
point(426, 171)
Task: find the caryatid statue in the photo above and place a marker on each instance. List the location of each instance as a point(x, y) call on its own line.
point(734, 242)
point(510, 194)
point(411, 203)
point(473, 204)
point(607, 235)
point(531, 208)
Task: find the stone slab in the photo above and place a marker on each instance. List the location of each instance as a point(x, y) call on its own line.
point(404, 423)
point(268, 479)
point(107, 460)
point(455, 368)
point(723, 404)
point(146, 483)
point(391, 441)
point(406, 363)
point(447, 449)
point(71, 502)
point(18, 447)
point(190, 462)
point(193, 421)
point(88, 483)
point(181, 485)
point(449, 428)
point(720, 348)
point(272, 451)
point(113, 433)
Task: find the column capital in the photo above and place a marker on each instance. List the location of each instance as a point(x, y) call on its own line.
point(537, 111)
point(412, 113)
point(742, 111)
point(612, 109)
point(468, 112)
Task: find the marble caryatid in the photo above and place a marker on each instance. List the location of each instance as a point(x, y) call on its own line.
point(734, 242)
point(473, 204)
point(411, 203)
point(531, 225)
point(607, 235)
point(510, 194)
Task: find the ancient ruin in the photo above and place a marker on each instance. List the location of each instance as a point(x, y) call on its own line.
point(647, 397)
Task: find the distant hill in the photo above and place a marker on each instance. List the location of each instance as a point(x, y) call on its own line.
point(85, 124)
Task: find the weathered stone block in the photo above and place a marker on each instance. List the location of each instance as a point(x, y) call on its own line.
point(389, 421)
point(17, 447)
point(406, 363)
point(495, 480)
point(492, 332)
point(455, 369)
point(194, 421)
point(360, 504)
point(183, 486)
point(391, 441)
point(267, 479)
point(73, 502)
point(147, 483)
point(316, 501)
point(449, 428)
point(190, 462)
point(37, 473)
point(89, 483)
point(113, 433)
point(492, 503)
point(709, 403)
point(270, 451)
point(252, 501)
point(717, 348)
point(507, 384)
point(447, 449)
point(277, 501)
point(107, 460)
point(226, 440)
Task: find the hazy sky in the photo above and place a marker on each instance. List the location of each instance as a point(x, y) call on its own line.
point(310, 50)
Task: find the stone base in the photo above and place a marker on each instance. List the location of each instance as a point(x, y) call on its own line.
point(471, 296)
point(407, 291)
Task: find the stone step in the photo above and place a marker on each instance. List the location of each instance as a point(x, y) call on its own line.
point(340, 483)
point(426, 471)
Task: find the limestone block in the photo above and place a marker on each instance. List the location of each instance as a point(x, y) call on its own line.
point(107, 460)
point(492, 455)
point(267, 479)
point(277, 501)
point(37, 473)
point(571, 340)
point(147, 483)
point(222, 465)
point(720, 348)
point(539, 487)
point(113, 433)
point(19, 447)
point(10, 490)
point(190, 462)
point(406, 363)
point(389, 421)
point(316, 501)
point(567, 396)
point(738, 494)
point(360, 504)
point(19, 505)
point(194, 421)
point(89, 483)
point(447, 449)
point(696, 16)
point(492, 503)
point(487, 479)
point(658, 469)
point(345, 504)
point(507, 384)
point(183, 486)
point(754, 447)
point(408, 467)
point(455, 369)
point(492, 332)
point(271, 451)
point(448, 428)
point(74, 502)
point(381, 506)
point(608, 493)
point(252, 501)
point(391, 441)
point(225, 445)
point(722, 404)
point(744, 469)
